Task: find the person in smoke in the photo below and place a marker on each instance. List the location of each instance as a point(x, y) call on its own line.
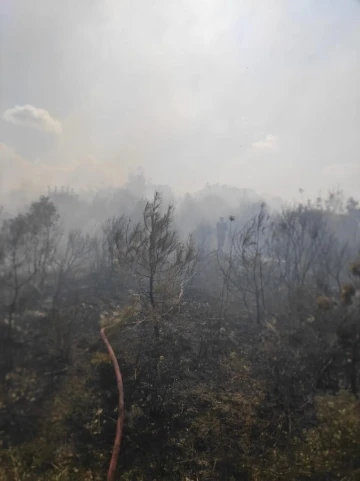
point(221, 229)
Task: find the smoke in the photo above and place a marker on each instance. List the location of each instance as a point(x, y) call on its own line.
point(269, 143)
point(32, 117)
point(21, 179)
point(262, 95)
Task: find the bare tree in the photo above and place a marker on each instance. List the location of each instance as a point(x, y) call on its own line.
point(114, 240)
point(28, 245)
point(71, 258)
point(298, 237)
point(153, 251)
point(67, 262)
point(297, 244)
point(333, 259)
point(247, 273)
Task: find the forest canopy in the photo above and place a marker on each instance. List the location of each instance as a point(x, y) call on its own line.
point(236, 332)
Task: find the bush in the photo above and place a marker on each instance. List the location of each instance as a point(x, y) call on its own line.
point(329, 451)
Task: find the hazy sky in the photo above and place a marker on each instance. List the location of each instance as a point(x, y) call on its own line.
point(255, 93)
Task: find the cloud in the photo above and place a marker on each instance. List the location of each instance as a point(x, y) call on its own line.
point(33, 117)
point(269, 143)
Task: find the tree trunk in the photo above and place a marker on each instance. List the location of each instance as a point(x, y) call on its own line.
point(353, 367)
point(151, 291)
point(156, 330)
point(152, 302)
point(10, 319)
point(258, 311)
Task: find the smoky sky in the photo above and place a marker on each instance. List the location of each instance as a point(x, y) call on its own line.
point(261, 95)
